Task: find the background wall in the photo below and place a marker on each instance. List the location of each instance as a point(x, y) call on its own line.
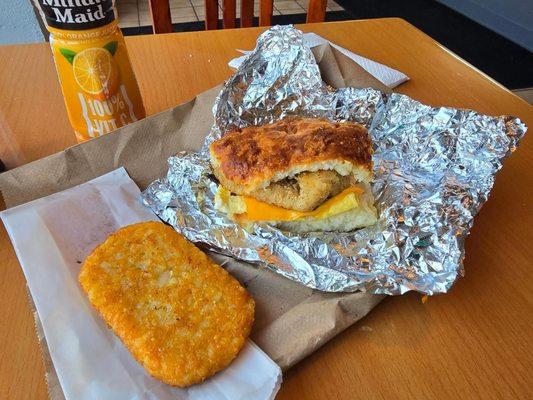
point(510, 18)
point(18, 22)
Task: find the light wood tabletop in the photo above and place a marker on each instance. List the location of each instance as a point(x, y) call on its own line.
point(474, 342)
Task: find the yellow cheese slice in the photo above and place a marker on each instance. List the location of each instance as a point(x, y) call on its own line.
point(260, 211)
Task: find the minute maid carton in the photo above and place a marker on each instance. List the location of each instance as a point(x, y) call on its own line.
point(98, 84)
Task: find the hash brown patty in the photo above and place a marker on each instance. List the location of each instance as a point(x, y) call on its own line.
point(183, 317)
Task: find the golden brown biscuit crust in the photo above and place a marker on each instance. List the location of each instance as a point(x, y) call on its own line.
point(183, 317)
point(249, 158)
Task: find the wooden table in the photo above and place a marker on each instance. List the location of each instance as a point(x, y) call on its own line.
point(474, 342)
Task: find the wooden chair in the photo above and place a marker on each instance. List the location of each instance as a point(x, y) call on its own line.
point(162, 22)
point(316, 12)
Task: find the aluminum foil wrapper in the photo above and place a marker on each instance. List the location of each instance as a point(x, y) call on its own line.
point(433, 167)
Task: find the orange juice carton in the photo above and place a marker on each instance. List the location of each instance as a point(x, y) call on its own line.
point(100, 90)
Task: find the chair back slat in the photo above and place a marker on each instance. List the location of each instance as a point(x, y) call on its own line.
point(229, 8)
point(266, 8)
point(316, 11)
point(247, 13)
point(211, 14)
point(161, 21)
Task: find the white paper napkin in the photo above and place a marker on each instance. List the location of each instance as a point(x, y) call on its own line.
point(51, 237)
point(386, 75)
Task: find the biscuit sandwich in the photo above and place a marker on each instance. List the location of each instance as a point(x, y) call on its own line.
point(298, 174)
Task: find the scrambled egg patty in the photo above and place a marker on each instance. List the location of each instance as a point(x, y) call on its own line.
point(183, 317)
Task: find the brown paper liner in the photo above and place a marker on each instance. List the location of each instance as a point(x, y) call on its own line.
point(291, 320)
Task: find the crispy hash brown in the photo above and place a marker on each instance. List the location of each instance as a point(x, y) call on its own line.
point(252, 158)
point(183, 317)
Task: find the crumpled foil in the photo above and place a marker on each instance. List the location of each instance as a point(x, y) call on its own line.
point(433, 167)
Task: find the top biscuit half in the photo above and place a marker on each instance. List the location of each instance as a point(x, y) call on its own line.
point(252, 158)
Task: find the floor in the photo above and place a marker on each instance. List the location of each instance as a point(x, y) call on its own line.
point(136, 13)
point(526, 94)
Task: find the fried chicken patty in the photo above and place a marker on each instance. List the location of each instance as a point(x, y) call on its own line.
point(305, 192)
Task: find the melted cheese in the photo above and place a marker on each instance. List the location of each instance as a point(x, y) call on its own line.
point(246, 208)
